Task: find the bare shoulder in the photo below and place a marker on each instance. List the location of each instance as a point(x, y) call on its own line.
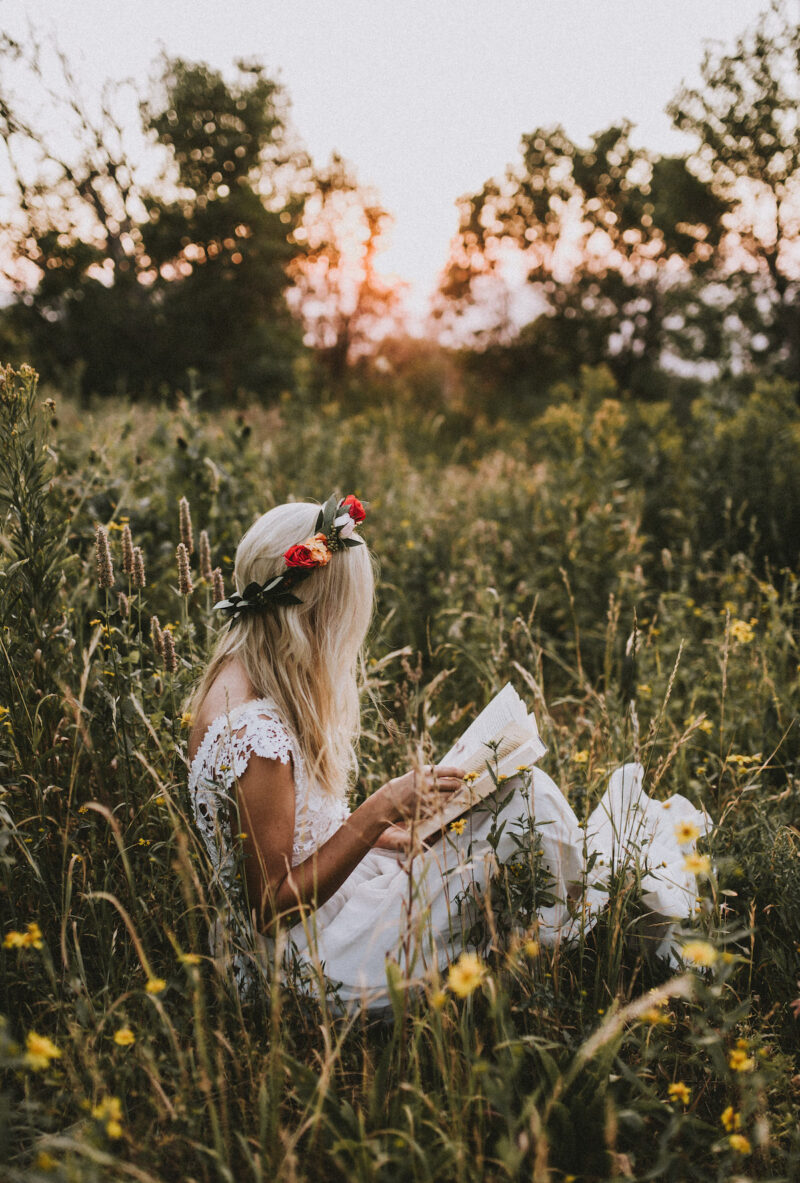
point(229, 689)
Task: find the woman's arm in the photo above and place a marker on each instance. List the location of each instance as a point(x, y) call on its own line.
point(267, 814)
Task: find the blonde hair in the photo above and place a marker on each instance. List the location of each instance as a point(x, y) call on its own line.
point(305, 658)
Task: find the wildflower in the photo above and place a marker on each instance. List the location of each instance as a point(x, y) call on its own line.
point(581, 757)
point(466, 974)
point(469, 777)
point(187, 539)
point(40, 1051)
point(678, 1091)
point(110, 1111)
point(204, 548)
point(730, 1119)
point(218, 585)
point(124, 1037)
point(700, 723)
point(190, 958)
point(699, 953)
point(102, 557)
point(155, 985)
point(739, 1143)
point(160, 799)
point(742, 632)
point(438, 999)
point(156, 636)
point(185, 586)
point(531, 948)
point(686, 832)
point(138, 568)
point(458, 826)
point(739, 1061)
point(170, 658)
point(124, 605)
point(24, 940)
point(127, 550)
point(654, 1016)
point(33, 935)
point(44, 1161)
point(697, 864)
point(186, 720)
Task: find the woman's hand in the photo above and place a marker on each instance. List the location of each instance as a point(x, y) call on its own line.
point(395, 838)
point(410, 795)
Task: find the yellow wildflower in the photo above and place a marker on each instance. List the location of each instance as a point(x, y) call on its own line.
point(190, 958)
point(186, 720)
point(678, 1091)
point(742, 632)
point(581, 757)
point(110, 1111)
point(14, 940)
point(40, 1051)
point(654, 1016)
point(730, 1119)
point(697, 864)
point(686, 832)
point(155, 985)
point(124, 1037)
point(699, 953)
point(438, 999)
point(740, 1143)
point(466, 974)
point(739, 1061)
point(458, 825)
point(45, 1162)
point(531, 948)
point(469, 777)
point(700, 724)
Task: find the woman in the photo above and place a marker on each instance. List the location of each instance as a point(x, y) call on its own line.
point(272, 751)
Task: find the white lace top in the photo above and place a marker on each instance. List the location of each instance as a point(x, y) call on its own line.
point(253, 728)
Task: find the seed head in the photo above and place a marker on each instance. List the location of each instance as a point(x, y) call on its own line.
point(187, 538)
point(185, 586)
point(138, 567)
point(204, 555)
point(218, 584)
point(102, 555)
point(124, 605)
point(170, 657)
point(127, 550)
point(156, 636)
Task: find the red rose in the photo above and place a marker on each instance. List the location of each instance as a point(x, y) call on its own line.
point(354, 507)
point(299, 555)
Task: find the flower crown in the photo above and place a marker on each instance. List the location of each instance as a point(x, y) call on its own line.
point(334, 530)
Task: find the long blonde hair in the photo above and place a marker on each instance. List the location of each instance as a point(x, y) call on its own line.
point(304, 658)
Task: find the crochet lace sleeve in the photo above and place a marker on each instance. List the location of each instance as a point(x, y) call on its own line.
point(259, 734)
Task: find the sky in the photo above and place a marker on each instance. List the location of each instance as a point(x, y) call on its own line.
point(427, 99)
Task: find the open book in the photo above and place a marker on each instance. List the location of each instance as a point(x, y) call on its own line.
point(506, 723)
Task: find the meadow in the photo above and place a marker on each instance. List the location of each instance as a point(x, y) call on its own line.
point(632, 571)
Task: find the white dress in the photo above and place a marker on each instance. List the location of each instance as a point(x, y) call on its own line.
point(415, 911)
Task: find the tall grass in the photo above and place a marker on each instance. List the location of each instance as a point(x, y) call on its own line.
point(541, 553)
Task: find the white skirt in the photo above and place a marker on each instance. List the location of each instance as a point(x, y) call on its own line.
point(407, 909)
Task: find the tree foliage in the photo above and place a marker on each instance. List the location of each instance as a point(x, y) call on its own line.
point(637, 258)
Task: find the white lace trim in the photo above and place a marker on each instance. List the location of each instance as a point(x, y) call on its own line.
point(255, 728)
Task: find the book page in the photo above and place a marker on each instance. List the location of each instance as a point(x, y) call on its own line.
point(507, 725)
point(506, 707)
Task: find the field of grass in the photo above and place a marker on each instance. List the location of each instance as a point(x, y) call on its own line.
point(634, 575)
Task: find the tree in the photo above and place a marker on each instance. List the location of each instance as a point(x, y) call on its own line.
point(343, 302)
point(606, 236)
point(744, 119)
point(128, 284)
